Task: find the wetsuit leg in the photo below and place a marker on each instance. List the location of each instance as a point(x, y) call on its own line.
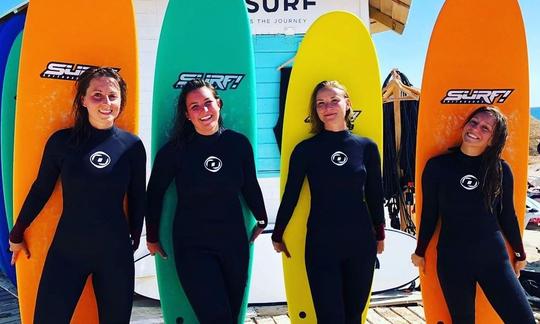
point(458, 286)
point(113, 283)
point(235, 271)
point(358, 272)
point(61, 284)
point(201, 276)
point(502, 288)
point(324, 273)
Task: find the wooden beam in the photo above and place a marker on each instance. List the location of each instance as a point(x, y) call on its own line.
point(386, 20)
point(402, 3)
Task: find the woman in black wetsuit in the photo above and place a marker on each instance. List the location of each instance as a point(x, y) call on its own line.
point(345, 228)
point(471, 190)
point(99, 165)
point(211, 166)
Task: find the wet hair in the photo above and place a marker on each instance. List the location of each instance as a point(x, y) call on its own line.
point(82, 127)
point(491, 167)
point(184, 129)
point(316, 123)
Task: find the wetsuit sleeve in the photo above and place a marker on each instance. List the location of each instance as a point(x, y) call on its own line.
point(507, 215)
point(430, 207)
point(136, 194)
point(41, 189)
point(161, 177)
point(251, 191)
point(295, 179)
point(374, 189)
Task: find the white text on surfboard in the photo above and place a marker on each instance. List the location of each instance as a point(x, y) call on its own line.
point(65, 71)
point(221, 81)
point(476, 96)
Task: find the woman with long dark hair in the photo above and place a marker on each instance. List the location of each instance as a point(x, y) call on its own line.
point(212, 167)
point(99, 165)
point(471, 190)
point(345, 228)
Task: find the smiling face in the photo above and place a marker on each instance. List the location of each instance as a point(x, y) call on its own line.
point(203, 110)
point(478, 133)
point(332, 106)
point(102, 101)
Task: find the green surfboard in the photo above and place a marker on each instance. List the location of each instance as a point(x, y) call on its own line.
point(9, 93)
point(209, 40)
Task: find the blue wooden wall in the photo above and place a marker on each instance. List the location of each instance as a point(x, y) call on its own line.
point(271, 51)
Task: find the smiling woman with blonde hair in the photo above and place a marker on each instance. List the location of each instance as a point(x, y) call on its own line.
point(345, 227)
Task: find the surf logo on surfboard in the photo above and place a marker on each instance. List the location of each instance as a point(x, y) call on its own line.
point(469, 182)
point(476, 96)
point(339, 158)
point(220, 81)
point(66, 71)
point(354, 116)
point(213, 164)
point(100, 159)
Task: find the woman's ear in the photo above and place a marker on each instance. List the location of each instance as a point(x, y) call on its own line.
point(81, 100)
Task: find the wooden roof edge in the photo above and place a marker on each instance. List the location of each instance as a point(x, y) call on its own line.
point(381, 21)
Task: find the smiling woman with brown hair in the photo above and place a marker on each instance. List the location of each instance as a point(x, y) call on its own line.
point(471, 191)
point(99, 165)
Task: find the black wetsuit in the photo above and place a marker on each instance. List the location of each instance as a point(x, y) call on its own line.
point(471, 246)
point(93, 235)
point(345, 220)
point(211, 247)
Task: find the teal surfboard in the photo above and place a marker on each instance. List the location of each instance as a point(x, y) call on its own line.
point(9, 93)
point(209, 40)
point(11, 28)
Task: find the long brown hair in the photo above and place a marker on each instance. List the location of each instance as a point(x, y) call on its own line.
point(316, 123)
point(491, 168)
point(184, 129)
point(82, 127)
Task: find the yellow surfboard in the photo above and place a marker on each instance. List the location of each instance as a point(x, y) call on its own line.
point(336, 47)
point(61, 39)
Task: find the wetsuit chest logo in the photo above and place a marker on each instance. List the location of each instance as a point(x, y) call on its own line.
point(100, 159)
point(469, 182)
point(213, 164)
point(339, 158)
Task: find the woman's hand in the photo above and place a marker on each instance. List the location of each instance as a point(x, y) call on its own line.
point(518, 266)
point(419, 262)
point(380, 247)
point(281, 247)
point(155, 247)
point(256, 232)
point(16, 248)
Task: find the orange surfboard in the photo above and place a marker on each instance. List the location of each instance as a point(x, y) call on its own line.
point(477, 56)
point(61, 39)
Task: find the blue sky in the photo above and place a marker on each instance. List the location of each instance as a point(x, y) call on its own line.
point(413, 43)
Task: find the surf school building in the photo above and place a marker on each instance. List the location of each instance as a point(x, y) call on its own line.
point(278, 27)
